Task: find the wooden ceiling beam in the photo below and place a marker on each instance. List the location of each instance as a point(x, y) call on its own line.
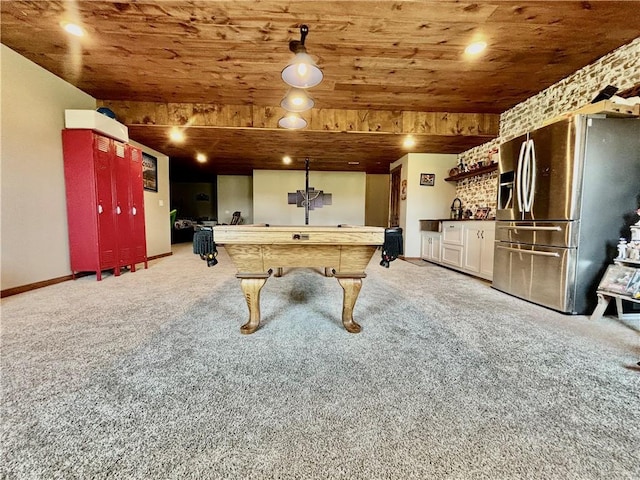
point(319, 119)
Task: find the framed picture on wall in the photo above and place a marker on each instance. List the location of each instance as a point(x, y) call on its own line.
point(482, 213)
point(428, 179)
point(149, 172)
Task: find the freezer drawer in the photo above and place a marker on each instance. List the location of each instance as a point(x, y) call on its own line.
point(539, 274)
point(556, 234)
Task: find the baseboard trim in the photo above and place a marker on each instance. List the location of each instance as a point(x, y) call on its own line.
point(155, 257)
point(45, 283)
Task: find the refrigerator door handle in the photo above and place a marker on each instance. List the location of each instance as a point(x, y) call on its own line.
point(543, 229)
point(530, 155)
point(530, 252)
point(519, 175)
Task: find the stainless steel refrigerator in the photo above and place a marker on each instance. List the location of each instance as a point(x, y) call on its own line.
point(563, 193)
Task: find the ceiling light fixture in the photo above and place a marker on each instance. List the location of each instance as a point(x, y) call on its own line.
point(286, 160)
point(176, 135)
point(409, 142)
point(73, 29)
point(201, 157)
point(302, 71)
point(475, 48)
point(292, 121)
point(297, 100)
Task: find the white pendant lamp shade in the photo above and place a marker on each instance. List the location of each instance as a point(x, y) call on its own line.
point(297, 100)
point(302, 72)
point(292, 121)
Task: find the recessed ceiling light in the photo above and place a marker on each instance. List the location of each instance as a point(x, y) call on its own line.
point(286, 160)
point(354, 163)
point(176, 135)
point(409, 142)
point(201, 157)
point(73, 29)
point(475, 48)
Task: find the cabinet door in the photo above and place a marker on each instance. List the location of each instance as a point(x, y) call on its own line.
point(472, 247)
point(425, 246)
point(487, 251)
point(431, 246)
point(138, 240)
point(105, 207)
point(451, 255)
point(435, 248)
point(452, 233)
point(124, 225)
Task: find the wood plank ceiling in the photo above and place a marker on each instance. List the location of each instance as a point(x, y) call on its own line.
point(390, 68)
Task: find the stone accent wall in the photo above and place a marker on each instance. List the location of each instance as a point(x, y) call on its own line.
point(620, 68)
point(478, 192)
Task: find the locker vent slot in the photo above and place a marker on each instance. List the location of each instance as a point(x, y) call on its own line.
point(103, 144)
point(120, 150)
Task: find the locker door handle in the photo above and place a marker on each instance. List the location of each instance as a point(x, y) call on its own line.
point(133, 210)
point(118, 210)
point(100, 209)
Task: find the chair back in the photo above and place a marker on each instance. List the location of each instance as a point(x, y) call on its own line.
point(236, 218)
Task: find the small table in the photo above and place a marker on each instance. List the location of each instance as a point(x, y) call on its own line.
point(605, 296)
point(256, 250)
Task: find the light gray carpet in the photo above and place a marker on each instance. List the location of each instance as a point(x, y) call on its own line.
point(419, 262)
point(147, 376)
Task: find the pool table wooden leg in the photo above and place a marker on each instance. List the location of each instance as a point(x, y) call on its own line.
point(351, 287)
point(251, 288)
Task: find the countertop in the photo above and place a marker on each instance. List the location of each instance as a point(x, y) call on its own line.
point(492, 219)
point(433, 224)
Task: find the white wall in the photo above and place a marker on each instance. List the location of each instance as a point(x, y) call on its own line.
point(34, 240)
point(424, 202)
point(377, 201)
point(270, 189)
point(235, 193)
point(156, 207)
point(35, 244)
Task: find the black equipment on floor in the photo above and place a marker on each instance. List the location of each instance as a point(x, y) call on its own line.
point(392, 247)
point(204, 245)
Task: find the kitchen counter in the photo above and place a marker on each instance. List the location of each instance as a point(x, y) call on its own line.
point(433, 224)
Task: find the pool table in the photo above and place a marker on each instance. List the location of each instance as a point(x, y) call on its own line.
point(257, 251)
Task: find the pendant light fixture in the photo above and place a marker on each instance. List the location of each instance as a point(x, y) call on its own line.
point(292, 121)
point(302, 71)
point(297, 100)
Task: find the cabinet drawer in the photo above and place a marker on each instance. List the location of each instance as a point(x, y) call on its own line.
point(452, 233)
point(451, 255)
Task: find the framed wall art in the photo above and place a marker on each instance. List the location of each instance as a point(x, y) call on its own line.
point(428, 179)
point(149, 172)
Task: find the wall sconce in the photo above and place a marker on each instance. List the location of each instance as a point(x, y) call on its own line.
point(302, 71)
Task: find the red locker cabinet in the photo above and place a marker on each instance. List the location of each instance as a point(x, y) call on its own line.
point(100, 189)
point(139, 236)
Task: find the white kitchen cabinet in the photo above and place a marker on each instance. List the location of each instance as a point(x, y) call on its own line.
point(452, 244)
point(467, 246)
point(452, 232)
point(431, 246)
point(486, 252)
point(479, 239)
point(452, 255)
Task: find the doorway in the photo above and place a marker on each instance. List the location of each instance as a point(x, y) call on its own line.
point(394, 200)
